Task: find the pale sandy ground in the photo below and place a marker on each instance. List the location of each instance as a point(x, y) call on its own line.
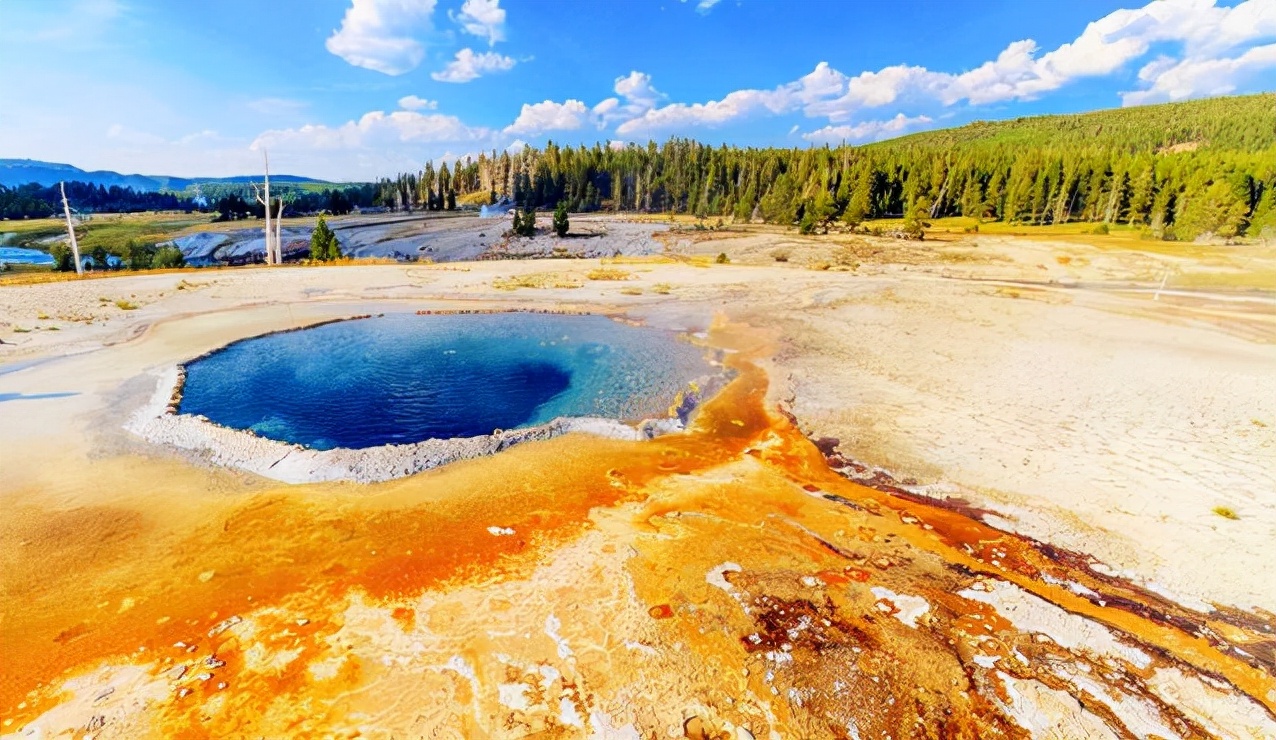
point(1095, 419)
point(1062, 397)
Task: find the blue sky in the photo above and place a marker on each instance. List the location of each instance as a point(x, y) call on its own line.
point(356, 89)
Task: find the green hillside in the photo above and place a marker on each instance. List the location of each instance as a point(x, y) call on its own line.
point(1175, 171)
point(1246, 123)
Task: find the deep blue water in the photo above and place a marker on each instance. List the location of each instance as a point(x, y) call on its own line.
point(25, 256)
point(403, 378)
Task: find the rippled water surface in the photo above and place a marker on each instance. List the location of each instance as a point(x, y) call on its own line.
point(404, 378)
point(25, 256)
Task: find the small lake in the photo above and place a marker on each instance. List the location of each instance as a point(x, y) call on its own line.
point(403, 378)
point(19, 255)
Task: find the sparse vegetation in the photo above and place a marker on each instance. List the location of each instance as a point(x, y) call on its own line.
point(846, 256)
point(125, 305)
point(536, 280)
point(780, 255)
point(1226, 512)
point(608, 273)
point(662, 289)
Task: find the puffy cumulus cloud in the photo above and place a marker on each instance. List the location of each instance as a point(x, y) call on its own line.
point(483, 18)
point(380, 34)
point(549, 116)
point(470, 66)
point(376, 143)
point(713, 113)
point(639, 96)
point(374, 130)
point(867, 130)
point(1170, 79)
point(1214, 59)
point(412, 102)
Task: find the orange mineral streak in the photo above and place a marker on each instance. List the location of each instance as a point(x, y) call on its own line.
point(291, 558)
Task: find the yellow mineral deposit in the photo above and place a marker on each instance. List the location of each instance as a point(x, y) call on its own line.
point(720, 581)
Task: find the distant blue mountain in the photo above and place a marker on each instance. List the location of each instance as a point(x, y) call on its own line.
point(22, 171)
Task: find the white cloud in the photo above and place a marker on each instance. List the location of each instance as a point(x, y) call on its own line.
point(704, 6)
point(639, 97)
point(1189, 78)
point(376, 144)
point(379, 34)
point(412, 102)
point(483, 18)
point(373, 129)
point(1204, 31)
point(866, 130)
point(549, 116)
point(713, 113)
point(470, 66)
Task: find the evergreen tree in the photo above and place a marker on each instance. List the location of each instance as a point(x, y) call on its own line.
point(560, 219)
point(324, 246)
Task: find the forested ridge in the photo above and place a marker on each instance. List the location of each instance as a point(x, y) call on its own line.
point(232, 200)
point(1178, 170)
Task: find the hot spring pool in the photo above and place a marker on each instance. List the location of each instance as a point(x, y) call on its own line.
point(403, 378)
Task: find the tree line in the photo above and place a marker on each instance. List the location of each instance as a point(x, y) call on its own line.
point(230, 201)
point(234, 202)
point(38, 201)
point(1177, 170)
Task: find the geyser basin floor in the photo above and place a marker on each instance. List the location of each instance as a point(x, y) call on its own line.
point(403, 378)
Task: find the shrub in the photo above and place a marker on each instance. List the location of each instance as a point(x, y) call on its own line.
point(140, 256)
point(560, 219)
point(722, 258)
point(124, 305)
point(780, 255)
point(1101, 229)
point(168, 257)
point(525, 222)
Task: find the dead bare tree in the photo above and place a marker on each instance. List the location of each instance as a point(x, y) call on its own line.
point(70, 230)
point(264, 199)
point(279, 228)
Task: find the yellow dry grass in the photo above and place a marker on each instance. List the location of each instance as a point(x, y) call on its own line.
point(536, 280)
point(607, 273)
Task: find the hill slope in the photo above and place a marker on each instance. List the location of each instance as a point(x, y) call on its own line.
point(1244, 123)
point(15, 172)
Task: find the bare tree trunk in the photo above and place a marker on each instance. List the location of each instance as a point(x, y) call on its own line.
point(70, 229)
point(279, 228)
point(264, 200)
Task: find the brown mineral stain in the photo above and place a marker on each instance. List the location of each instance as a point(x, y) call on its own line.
point(660, 611)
